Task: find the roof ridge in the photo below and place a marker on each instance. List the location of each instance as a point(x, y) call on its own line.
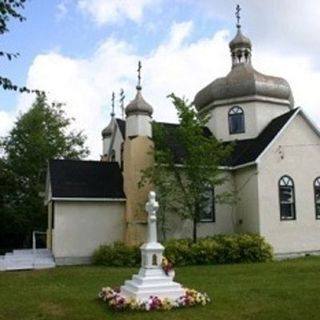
point(256, 146)
point(75, 160)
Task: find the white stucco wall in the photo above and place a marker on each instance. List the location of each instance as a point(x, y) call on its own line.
point(118, 140)
point(298, 157)
point(224, 219)
point(105, 145)
point(138, 125)
point(247, 206)
point(266, 112)
point(257, 116)
point(80, 227)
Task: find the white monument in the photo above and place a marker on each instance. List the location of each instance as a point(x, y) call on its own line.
point(151, 279)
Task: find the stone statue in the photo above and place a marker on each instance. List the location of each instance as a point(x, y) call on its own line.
point(152, 207)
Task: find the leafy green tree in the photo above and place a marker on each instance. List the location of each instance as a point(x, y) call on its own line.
point(10, 10)
point(38, 135)
point(182, 187)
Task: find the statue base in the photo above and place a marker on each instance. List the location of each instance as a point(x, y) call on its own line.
point(151, 282)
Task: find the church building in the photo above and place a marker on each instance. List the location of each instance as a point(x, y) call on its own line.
point(274, 170)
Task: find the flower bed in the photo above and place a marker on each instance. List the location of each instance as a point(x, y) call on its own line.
point(116, 301)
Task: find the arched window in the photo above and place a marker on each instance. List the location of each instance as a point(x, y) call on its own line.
point(287, 198)
point(316, 187)
point(236, 120)
point(207, 206)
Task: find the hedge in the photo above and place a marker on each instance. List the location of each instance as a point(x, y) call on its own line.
point(219, 249)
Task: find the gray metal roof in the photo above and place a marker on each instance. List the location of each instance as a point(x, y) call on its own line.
point(240, 41)
point(138, 105)
point(108, 130)
point(243, 80)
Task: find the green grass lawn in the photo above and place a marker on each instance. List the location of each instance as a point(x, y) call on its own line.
point(277, 290)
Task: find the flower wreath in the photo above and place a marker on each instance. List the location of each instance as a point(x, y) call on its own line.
point(167, 265)
point(116, 301)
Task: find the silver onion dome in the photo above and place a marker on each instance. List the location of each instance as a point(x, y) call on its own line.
point(138, 105)
point(108, 130)
point(243, 80)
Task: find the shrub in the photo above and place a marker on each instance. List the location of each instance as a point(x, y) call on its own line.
point(118, 254)
point(219, 249)
point(178, 251)
point(243, 248)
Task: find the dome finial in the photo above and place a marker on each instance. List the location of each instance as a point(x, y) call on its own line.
point(238, 9)
point(240, 46)
point(139, 76)
point(121, 100)
point(138, 105)
point(112, 114)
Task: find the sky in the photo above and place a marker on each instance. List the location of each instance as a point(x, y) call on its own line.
point(80, 51)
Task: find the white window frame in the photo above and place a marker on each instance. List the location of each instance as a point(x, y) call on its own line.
point(286, 183)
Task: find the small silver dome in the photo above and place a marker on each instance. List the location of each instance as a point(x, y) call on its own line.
point(139, 105)
point(240, 41)
point(108, 130)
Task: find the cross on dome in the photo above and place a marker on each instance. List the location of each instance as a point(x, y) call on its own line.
point(139, 75)
point(240, 46)
point(121, 100)
point(139, 106)
point(112, 104)
point(238, 9)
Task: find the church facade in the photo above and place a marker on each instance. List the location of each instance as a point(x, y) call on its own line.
point(274, 171)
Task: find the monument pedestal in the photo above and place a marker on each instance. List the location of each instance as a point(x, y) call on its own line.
point(151, 279)
point(152, 282)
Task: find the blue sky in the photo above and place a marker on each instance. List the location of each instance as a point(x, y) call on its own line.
point(79, 51)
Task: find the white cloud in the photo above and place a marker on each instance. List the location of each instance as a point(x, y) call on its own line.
point(177, 65)
point(86, 85)
point(301, 75)
point(6, 121)
point(62, 9)
point(113, 11)
point(290, 26)
point(178, 33)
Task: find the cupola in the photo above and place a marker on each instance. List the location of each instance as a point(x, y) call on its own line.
point(243, 81)
point(108, 130)
point(242, 103)
point(138, 106)
point(138, 113)
point(240, 48)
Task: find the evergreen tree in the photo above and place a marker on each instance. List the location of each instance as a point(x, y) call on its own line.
point(40, 134)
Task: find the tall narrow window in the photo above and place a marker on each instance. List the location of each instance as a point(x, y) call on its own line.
point(207, 210)
point(317, 196)
point(236, 120)
point(113, 156)
point(287, 199)
point(121, 155)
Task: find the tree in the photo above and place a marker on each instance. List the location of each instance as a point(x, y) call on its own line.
point(9, 9)
point(38, 135)
point(184, 187)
